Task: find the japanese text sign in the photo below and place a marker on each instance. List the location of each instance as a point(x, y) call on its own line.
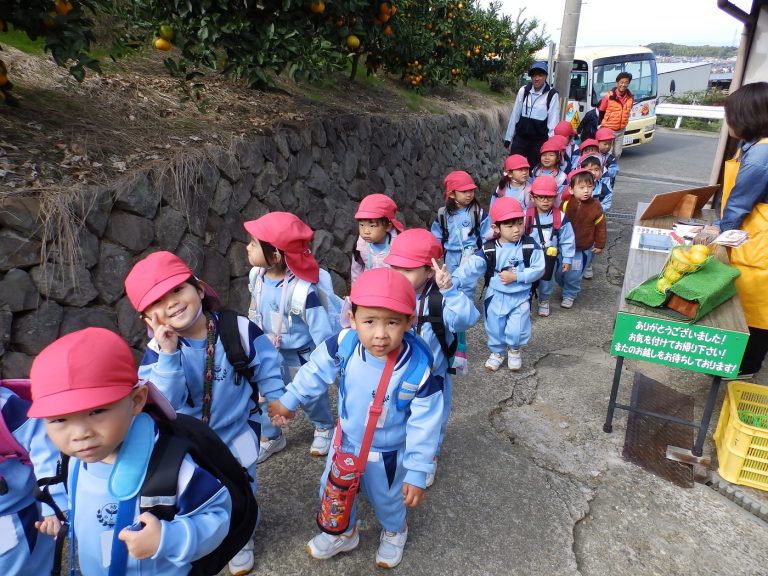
point(687, 346)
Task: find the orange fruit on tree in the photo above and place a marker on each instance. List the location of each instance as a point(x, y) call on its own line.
point(388, 31)
point(353, 42)
point(317, 7)
point(49, 20)
point(162, 44)
point(63, 7)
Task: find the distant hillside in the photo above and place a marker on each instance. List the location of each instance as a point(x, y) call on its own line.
point(669, 49)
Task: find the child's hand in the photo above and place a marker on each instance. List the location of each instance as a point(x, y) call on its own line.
point(165, 336)
point(442, 276)
point(279, 413)
point(143, 544)
point(566, 267)
point(597, 250)
point(412, 495)
point(49, 525)
point(508, 276)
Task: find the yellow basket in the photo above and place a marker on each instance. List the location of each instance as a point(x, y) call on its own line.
point(743, 449)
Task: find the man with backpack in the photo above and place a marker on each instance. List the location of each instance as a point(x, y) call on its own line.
point(118, 460)
point(534, 116)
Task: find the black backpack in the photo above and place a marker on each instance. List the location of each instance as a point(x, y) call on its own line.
point(434, 316)
point(188, 435)
point(589, 124)
point(229, 334)
point(489, 250)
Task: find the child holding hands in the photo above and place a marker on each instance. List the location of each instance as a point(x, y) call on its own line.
point(511, 264)
point(406, 432)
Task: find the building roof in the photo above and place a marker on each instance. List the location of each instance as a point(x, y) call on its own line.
point(665, 67)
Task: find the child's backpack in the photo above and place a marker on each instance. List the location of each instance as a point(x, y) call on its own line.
point(477, 214)
point(531, 220)
point(409, 385)
point(298, 297)
point(588, 126)
point(489, 251)
point(234, 333)
point(10, 449)
point(434, 316)
point(188, 435)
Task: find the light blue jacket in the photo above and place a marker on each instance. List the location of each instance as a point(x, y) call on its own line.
point(509, 255)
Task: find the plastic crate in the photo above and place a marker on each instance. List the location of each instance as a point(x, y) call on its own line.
point(742, 450)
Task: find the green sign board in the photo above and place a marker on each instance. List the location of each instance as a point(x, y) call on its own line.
point(686, 346)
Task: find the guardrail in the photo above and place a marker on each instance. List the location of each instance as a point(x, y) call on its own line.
point(690, 111)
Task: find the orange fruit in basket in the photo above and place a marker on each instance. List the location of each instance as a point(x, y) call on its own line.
point(698, 254)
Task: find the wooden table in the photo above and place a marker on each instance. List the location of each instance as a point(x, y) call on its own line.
point(717, 340)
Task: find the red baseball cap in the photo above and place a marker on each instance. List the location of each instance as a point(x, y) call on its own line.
point(84, 370)
point(153, 277)
point(515, 162)
point(565, 128)
point(376, 206)
point(286, 232)
point(604, 134)
point(552, 145)
point(384, 288)
point(414, 248)
point(506, 209)
point(573, 173)
point(588, 142)
point(544, 186)
point(458, 181)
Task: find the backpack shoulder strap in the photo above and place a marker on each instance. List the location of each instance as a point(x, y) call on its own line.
point(489, 251)
point(550, 94)
point(477, 213)
point(442, 219)
point(158, 493)
point(229, 334)
point(530, 217)
point(528, 247)
point(434, 317)
point(298, 306)
point(343, 354)
point(421, 360)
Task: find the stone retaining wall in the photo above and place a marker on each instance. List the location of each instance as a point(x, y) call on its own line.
point(195, 208)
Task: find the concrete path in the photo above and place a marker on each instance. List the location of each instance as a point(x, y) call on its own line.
point(528, 483)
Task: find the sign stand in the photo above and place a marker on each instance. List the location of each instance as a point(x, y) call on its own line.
point(714, 345)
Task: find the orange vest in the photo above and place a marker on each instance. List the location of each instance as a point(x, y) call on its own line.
point(616, 114)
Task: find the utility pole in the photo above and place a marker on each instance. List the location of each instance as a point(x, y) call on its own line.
point(567, 48)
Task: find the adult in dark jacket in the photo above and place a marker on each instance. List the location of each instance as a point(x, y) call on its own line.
point(534, 115)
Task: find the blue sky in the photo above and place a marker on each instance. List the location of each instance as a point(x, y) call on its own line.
point(633, 22)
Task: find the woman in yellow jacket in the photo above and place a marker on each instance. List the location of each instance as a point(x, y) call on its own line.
point(744, 206)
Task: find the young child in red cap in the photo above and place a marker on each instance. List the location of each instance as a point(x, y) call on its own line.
point(551, 228)
point(589, 229)
point(461, 225)
point(515, 183)
point(510, 264)
point(376, 225)
point(187, 360)
point(442, 311)
point(406, 433)
point(551, 156)
point(571, 150)
point(605, 138)
point(285, 304)
point(84, 387)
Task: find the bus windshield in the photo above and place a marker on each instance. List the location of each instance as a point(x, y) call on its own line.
point(643, 71)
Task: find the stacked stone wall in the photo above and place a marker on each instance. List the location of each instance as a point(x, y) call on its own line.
point(64, 272)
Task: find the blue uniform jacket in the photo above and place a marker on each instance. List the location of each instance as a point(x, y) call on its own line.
point(416, 429)
point(459, 227)
point(200, 525)
point(509, 255)
point(565, 241)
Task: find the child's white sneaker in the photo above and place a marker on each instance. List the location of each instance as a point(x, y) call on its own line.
point(324, 546)
point(567, 303)
point(391, 544)
point(321, 443)
point(269, 447)
point(514, 359)
point(494, 362)
point(243, 561)
point(543, 308)
point(588, 273)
